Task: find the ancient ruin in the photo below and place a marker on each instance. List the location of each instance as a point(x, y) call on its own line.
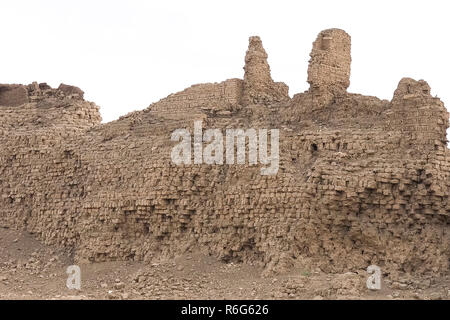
point(361, 180)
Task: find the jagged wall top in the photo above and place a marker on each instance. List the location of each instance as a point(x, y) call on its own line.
point(13, 95)
point(38, 106)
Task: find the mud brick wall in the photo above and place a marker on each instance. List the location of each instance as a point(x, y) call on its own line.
point(361, 180)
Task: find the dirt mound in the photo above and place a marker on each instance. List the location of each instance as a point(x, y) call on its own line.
point(31, 270)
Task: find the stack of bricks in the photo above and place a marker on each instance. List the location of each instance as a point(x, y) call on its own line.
point(355, 186)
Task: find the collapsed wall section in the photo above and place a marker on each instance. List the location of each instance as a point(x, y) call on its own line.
point(39, 107)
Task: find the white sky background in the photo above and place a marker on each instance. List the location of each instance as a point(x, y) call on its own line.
point(128, 54)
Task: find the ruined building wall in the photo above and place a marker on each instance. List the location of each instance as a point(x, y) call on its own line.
point(358, 182)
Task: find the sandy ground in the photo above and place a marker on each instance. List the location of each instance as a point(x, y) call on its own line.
point(31, 270)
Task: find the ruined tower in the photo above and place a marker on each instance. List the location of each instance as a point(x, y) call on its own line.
point(329, 66)
point(257, 70)
point(422, 118)
point(259, 88)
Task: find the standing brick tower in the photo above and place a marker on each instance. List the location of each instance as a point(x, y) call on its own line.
point(329, 67)
point(259, 88)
